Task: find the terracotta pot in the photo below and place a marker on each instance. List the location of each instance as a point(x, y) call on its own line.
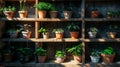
point(74, 35)
point(23, 14)
point(41, 59)
point(111, 35)
point(26, 34)
point(95, 14)
point(53, 14)
point(60, 60)
point(7, 57)
point(42, 14)
point(77, 59)
point(9, 14)
point(67, 14)
point(108, 58)
point(59, 35)
point(45, 35)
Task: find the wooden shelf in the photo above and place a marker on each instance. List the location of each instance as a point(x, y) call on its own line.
point(18, 19)
point(103, 40)
point(19, 0)
point(42, 40)
point(42, 20)
point(102, 19)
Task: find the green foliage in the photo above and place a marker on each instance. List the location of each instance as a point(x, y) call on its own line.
point(52, 7)
point(93, 29)
point(9, 8)
point(7, 51)
point(108, 51)
point(113, 28)
point(40, 52)
point(95, 53)
point(59, 30)
point(24, 51)
point(22, 5)
point(59, 54)
point(43, 6)
point(73, 27)
point(42, 30)
point(76, 50)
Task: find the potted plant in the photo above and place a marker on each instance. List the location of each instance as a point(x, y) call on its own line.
point(108, 55)
point(67, 13)
point(109, 14)
point(42, 9)
point(59, 33)
point(44, 32)
point(24, 54)
point(9, 12)
point(22, 12)
point(53, 11)
point(60, 56)
point(112, 31)
point(25, 29)
point(74, 30)
point(95, 13)
point(95, 56)
point(41, 54)
point(76, 51)
point(93, 32)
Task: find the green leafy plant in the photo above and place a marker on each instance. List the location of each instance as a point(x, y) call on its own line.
point(43, 6)
point(95, 53)
point(59, 30)
point(113, 28)
point(52, 7)
point(76, 50)
point(9, 8)
point(59, 54)
point(73, 27)
point(22, 5)
point(42, 30)
point(93, 30)
point(108, 51)
point(40, 52)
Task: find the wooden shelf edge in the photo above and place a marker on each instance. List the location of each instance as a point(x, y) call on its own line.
point(18, 0)
point(42, 40)
point(102, 19)
point(102, 40)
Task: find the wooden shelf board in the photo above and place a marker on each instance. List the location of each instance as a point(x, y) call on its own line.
point(19, 0)
point(18, 19)
point(102, 19)
point(59, 19)
point(42, 40)
point(103, 40)
point(42, 20)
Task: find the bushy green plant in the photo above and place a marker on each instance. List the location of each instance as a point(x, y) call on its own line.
point(40, 52)
point(59, 54)
point(76, 50)
point(113, 28)
point(95, 53)
point(24, 51)
point(43, 6)
point(42, 30)
point(52, 7)
point(9, 8)
point(93, 30)
point(73, 27)
point(59, 30)
point(108, 51)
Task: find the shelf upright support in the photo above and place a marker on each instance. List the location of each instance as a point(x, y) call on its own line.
point(83, 31)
